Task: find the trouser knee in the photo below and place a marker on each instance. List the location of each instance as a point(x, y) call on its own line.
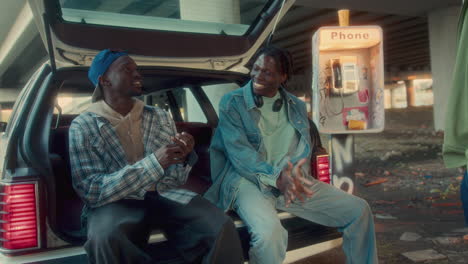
point(222, 238)
point(101, 246)
point(273, 236)
point(363, 207)
point(227, 248)
point(111, 245)
point(105, 238)
point(216, 220)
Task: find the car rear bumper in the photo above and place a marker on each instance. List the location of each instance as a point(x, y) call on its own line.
point(305, 239)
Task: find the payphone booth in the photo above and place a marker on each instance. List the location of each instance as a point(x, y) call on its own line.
point(348, 80)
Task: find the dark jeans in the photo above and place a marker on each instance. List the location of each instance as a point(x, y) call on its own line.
point(464, 196)
point(118, 232)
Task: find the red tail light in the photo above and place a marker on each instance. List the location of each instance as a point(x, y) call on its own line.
point(322, 168)
point(18, 217)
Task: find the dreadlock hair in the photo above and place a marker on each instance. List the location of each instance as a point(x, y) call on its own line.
point(282, 58)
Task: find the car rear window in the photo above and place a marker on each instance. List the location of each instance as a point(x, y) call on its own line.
point(215, 17)
point(72, 104)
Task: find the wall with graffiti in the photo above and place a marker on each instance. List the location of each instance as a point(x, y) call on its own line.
point(341, 148)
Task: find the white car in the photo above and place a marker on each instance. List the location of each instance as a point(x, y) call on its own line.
point(180, 60)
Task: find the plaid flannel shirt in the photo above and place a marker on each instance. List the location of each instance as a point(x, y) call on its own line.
point(101, 173)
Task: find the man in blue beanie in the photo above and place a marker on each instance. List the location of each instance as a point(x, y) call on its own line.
point(127, 162)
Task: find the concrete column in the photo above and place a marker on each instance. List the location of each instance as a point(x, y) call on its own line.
point(221, 11)
point(395, 96)
point(391, 98)
point(387, 97)
point(442, 36)
point(410, 93)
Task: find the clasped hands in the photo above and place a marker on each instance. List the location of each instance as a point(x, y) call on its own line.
point(177, 151)
point(292, 183)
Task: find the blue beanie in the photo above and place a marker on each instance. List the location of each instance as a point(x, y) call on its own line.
point(101, 63)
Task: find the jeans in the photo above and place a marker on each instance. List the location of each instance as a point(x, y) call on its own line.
point(464, 196)
point(328, 206)
point(118, 232)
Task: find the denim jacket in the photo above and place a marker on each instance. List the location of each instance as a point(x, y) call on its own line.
point(237, 148)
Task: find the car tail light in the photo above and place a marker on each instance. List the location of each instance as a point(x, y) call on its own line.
point(18, 214)
point(321, 166)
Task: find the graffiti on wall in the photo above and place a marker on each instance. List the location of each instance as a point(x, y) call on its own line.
point(342, 158)
point(344, 183)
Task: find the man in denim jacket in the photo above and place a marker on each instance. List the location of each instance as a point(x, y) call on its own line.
point(260, 159)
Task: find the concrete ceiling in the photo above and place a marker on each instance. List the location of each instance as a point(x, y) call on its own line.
point(404, 22)
point(20, 47)
point(394, 7)
point(8, 16)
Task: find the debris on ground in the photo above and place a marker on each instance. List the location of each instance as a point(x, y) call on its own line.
point(423, 255)
point(390, 154)
point(461, 230)
point(359, 174)
point(455, 204)
point(410, 236)
point(384, 202)
point(379, 181)
point(447, 240)
point(385, 216)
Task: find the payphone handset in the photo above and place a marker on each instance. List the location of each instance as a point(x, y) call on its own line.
point(345, 76)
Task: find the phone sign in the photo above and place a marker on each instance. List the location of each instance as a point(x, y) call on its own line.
point(340, 37)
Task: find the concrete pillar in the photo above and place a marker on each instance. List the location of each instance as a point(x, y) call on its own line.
point(410, 93)
point(387, 97)
point(395, 97)
point(221, 11)
point(442, 37)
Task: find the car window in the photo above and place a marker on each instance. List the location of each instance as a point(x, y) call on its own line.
point(72, 104)
point(181, 103)
point(216, 91)
point(171, 15)
point(180, 100)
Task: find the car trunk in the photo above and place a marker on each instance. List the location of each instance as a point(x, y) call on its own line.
point(63, 205)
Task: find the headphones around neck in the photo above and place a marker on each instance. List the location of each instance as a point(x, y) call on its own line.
point(258, 99)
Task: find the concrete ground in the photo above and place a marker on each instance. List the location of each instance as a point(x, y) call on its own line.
point(419, 196)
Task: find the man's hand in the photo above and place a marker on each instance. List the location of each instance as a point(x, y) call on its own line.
point(185, 141)
point(296, 186)
point(301, 183)
point(285, 182)
point(169, 154)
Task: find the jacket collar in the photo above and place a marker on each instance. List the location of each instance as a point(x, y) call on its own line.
point(248, 96)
